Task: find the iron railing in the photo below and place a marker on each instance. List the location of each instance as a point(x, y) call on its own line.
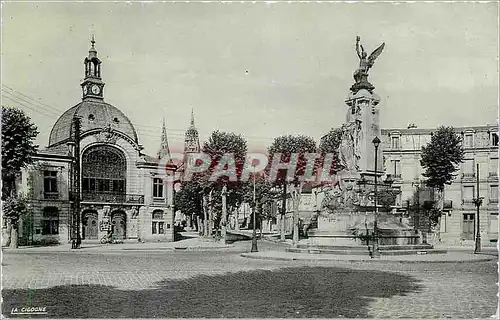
point(112, 197)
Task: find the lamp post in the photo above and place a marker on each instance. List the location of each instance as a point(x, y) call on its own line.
point(254, 234)
point(376, 253)
point(416, 219)
point(477, 201)
point(77, 240)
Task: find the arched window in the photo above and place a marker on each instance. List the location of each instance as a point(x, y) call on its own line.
point(104, 172)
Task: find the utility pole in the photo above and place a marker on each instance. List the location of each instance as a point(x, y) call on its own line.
point(76, 243)
point(477, 201)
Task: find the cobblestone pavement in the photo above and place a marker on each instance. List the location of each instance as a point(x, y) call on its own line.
point(223, 284)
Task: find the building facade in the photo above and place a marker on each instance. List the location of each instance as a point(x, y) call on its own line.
point(121, 189)
point(402, 151)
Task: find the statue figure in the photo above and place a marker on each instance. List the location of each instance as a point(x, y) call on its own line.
point(349, 152)
point(365, 63)
point(135, 212)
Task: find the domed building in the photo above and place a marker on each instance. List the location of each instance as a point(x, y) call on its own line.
point(122, 191)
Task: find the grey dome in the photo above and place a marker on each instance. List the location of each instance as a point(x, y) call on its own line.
point(95, 114)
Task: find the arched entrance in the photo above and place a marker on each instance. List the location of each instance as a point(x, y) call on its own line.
point(119, 224)
point(90, 226)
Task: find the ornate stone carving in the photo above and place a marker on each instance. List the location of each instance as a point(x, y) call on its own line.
point(349, 152)
point(107, 135)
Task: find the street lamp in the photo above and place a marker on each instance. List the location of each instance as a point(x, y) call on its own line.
point(416, 183)
point(376, 253)
point(477, 201)
point(254, 234)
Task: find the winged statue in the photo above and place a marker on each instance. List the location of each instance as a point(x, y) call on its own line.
point(365, 63)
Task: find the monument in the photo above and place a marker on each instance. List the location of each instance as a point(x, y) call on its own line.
point(349, 218)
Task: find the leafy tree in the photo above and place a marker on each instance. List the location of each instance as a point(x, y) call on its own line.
point(285, 146)
point(330, 144)
point(387, 197)
point(440, 159)
point(188, 200)
point(264, 195)
point(18, 134)
point(14, 207)
point(218, 145)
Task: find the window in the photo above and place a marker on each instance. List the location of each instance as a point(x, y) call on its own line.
point(50, 183)
point(157, 188)
point(468, 226)
point(468, 140)
point(396, 168)
point(468, 168)
point(468, 194)
point(50, 221)
point(395, 143)
point(494, 139)
point(104, 171)
point(157, 215)
point(494, 223)
point(157, 225)
point(494, 194)
point(493, 170)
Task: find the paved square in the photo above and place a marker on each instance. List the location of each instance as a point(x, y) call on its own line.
point(223, 284)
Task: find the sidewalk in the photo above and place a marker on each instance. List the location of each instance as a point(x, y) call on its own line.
point(454, 256)
point(193, 244)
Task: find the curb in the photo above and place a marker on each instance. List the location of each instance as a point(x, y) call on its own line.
point(95, 250)
point(255, 257)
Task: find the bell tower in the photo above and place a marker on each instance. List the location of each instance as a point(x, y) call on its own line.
point(92, 84)
point(191, 139)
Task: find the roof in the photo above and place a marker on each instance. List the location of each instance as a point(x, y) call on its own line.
point(484, 128)
point(95, 114)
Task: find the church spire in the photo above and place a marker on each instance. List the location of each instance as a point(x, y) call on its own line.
point(164, 150)
point(191, 139)
point(192, 117)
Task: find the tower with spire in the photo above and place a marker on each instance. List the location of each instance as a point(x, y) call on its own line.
point(92, 84)
point(191, 139)
point(164, 151)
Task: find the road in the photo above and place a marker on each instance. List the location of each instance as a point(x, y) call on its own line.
point(223, 284)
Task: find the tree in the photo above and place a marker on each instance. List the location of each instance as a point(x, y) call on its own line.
point(440, 159)
point(18, 134)
point(264, 193)
point(284, 147)
point(14, 207)
point(188, 200)
point(219, 146)
point(329, 144)
point(386, 197)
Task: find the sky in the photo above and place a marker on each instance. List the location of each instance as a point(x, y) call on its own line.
point(258, 69)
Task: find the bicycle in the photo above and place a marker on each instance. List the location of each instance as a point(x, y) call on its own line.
point(107, 238)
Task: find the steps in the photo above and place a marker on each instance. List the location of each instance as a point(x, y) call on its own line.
point(389, 250)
